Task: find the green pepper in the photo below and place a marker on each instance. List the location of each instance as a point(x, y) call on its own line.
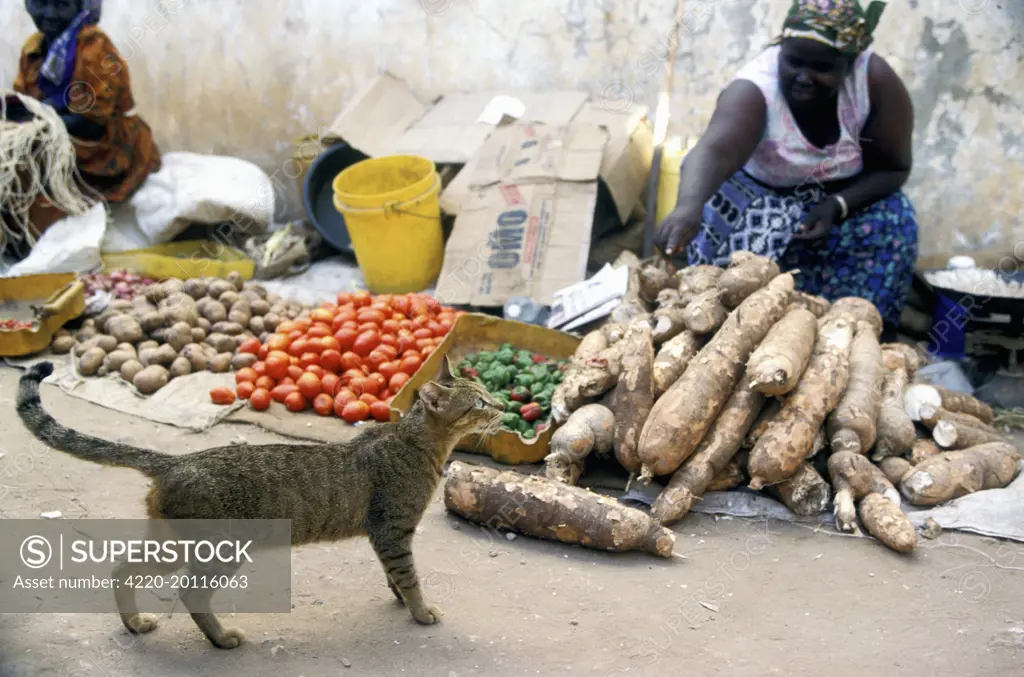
point(524, 426)
point(557, 377)
point(507, 346)
point(528, 434)
point(524, 380)
point(543, 400)
point(506, 357)
point(539, 372)
point(524, 363)
point(513, 407)
point(510, 420)
point(539, 387)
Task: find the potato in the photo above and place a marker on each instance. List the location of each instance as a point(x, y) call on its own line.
point(240, 339)
point(130, 368)
point(271, 320)
point(151, 320)
point(122, 306)
point(258, 289)
point(145, 345)
point(91, 322)
point(160, 335)
point(106, 343)
point(127, 347)
point(204, 324)
point(198, 334)
point(115, 360)
point(102, 371)
point(271, 298)
point(106, 316)
point(209, 351)
point(219, 287)
point(180, 313)
point(214, 312)
point(178, 336)
point(243, 360)
point(222, 343)
point(196, 357)
point(180, 367)
point(229, 328)
point(259, 307)
point(221, 363)
point(125, 328)
point(86, 333)
point(228, 298)
point(162, 356)
point(151, 379)
point(256, 325)
point(89, 363)
point(63, 344)
point(235, 278)
point(195, 288)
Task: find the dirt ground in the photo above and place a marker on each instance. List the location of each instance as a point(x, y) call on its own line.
point(752, 598)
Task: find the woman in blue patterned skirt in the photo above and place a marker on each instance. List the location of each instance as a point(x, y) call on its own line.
point(804, 161)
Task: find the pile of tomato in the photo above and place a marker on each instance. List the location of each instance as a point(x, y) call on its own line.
point(348, 358)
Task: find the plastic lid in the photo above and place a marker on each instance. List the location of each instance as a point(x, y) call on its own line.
point(960, 263)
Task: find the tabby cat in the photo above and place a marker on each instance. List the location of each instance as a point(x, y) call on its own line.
point(377, 485)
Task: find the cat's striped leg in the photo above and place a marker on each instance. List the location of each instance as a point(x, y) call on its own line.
point(394, 548)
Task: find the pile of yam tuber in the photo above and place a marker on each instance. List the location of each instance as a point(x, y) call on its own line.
point(709, 379)
point(174, 328)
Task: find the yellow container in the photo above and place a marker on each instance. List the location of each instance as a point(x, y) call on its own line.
point(61, 298)
point(182, 260)
point(393, 214)
point(668, 181)
point(472, 333)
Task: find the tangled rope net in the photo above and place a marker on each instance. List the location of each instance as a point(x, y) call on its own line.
point(37, 158)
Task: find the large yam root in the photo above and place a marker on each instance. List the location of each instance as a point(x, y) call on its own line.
point(705, 313)
point(815, 304)
point(779, 362)
point(652, 280)
point(634, 394)
point(852, 426)
point(922, 450)
point(745, 275)
point(789, 439)
point(733, 475)
point(591, 345)
point(896, 432)
point(806, 493)
point(853, 478)
point(587, 380)
point(953, 430)
point(916, 395)
point(672, 360)
point(697, 280)
point(861, 310)
point(669, 321)
point(715, 451)
point(884, 520)
point(901, 356)
point(589, 430)
point(764, 419)
point(894, 468)
point(682, 415)
point(536, 506)
point(938, 397)
point(958, 473)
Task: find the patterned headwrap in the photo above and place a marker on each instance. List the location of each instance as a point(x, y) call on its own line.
point(841, 24)
point(60, 59)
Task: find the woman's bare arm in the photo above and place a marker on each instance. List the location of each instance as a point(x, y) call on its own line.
point(732, 135)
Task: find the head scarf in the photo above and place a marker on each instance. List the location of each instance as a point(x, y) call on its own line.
point(841, 24)
point(59, 66)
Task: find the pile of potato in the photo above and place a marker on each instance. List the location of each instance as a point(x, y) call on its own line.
point(709, 379)
point(176, 327)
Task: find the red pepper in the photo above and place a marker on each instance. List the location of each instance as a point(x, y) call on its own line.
point(531, 412)
point(538, 359)
point(521, 395)
point(470, 372)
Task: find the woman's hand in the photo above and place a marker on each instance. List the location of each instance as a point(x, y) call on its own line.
point(820, 220)
point(676, 231)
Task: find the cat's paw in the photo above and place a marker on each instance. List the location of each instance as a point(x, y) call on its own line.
point(141, 624)
point(428, 614)
point(398, 594)
point(231, 638)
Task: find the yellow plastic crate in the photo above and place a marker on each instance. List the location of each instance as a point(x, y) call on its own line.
point(61, 297)
point(183, 260)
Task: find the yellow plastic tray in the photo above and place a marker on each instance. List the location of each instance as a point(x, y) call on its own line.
point(183, 260)
point(474, 332)
point(62, 298)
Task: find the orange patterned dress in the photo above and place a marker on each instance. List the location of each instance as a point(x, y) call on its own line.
point(119, 162)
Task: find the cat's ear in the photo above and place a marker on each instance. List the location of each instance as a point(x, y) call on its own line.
point(431, 394)
point(447, 371)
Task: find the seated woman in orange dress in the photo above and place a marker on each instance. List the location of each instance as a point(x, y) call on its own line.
point(71, 65)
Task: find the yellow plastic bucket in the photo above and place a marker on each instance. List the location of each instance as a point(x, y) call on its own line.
point(393, 215)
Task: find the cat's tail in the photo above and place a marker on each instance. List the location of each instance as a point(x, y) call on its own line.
point(48, 430)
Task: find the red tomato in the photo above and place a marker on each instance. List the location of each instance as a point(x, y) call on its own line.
point(400, 304)
point(344, 298)
point(247, 374)
point(346, 338)
point(296, 334)
point(279, 393)
point(343, 397)
point(265, 383)
point(330, 384)
point(433, 305)
point(350, 360)
point(319, 331)
point(366, 342)
point(382, 383)
point(424, 343)
point(389, 369)
point(322, 315)
point(263, 352)
point(330, 360)
point(329, 343)
point(368, 398)
point(278, 342)
point(370, 315)
point(260, 368)
point(353, 412)
point(427, 351)
point(286, 327)
point(309, 385)
point(224, 395)
point(421, 321)
point(295, 372)
point(324, 404)
point(390, 327)
point(260, 399)
point(418, 307)
point(405, 342)
point(361, 299)
point(245, 390)
point(298, 347)
point(317, 370)
point(377, 358)
point(397, 381)
point(277, 365)
point(412, 352)
point(295, 402)
point(351, 375)
point(286, 381)
point(251, 346)
point(365, 386)
point(436, 329)
point(308, 360)
point(315, 345)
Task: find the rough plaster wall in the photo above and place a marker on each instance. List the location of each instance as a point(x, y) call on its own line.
point(245, 77)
